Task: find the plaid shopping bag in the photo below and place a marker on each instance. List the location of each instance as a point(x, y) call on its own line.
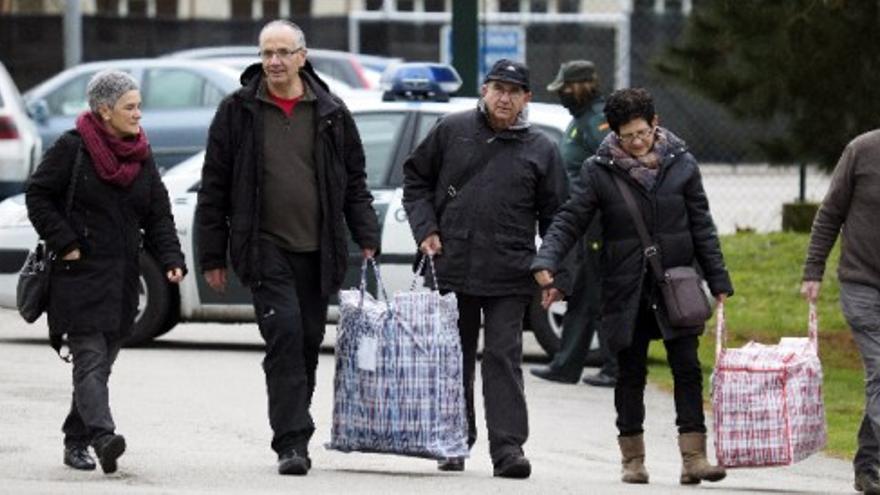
point(398, 386)
point(767, 400)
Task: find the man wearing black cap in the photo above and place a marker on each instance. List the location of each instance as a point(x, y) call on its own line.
point(473, 189)
point(577, 86)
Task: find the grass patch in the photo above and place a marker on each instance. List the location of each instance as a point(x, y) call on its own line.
point(766, 271)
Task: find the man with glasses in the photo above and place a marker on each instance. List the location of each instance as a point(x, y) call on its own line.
point(284, 166)
point(473, 189)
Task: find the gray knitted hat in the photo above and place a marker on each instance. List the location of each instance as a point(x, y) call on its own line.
point(107, 86)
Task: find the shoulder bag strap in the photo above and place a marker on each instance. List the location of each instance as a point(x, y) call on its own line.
point(474, 169)
point(452, 190)
point(650, 250)
point(71, 187)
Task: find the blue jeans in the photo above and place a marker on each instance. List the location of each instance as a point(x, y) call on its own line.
point(861, 307)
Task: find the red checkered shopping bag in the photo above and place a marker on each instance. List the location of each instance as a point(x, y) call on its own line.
point(767, 399)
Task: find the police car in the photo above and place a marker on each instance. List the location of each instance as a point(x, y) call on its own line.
point(389, 131)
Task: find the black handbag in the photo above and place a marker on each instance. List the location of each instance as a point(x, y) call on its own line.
point(681, 286)
point(32, 290)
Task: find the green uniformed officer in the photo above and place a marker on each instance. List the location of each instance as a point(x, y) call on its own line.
point(577, 86)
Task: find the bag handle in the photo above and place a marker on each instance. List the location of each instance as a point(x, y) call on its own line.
point(371, 262)
point(720, 332)
point(650, 249)
point(721, 329)
point(813, 326)
point(420, 268)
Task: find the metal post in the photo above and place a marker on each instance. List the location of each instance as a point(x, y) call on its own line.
point(72, 33)
point(464, 44)
point(802, 197)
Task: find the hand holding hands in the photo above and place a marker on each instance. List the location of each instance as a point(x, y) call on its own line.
point(549, 294)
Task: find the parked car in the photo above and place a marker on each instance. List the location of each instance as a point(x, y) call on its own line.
point(240, 63)
point(388, 130)
point(20, 143)
point(343, 66)
point(179, 98)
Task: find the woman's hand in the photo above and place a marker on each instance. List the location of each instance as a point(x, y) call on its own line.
point(175, 275)
point(549, 294)
point(544, 278)
point(72, 256)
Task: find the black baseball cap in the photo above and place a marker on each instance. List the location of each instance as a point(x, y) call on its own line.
point(573, 71)
point(506, 70)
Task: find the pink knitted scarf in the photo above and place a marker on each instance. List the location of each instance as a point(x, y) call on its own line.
point(117, 161)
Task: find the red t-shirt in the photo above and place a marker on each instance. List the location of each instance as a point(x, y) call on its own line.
point(285, 104)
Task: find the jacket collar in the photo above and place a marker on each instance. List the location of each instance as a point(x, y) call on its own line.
point(252, 78)
point(517, 131)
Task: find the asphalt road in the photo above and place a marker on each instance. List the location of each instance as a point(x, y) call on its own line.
point(193, 410)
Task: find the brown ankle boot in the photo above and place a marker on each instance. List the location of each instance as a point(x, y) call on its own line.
point(632, 452)
point(695, 467)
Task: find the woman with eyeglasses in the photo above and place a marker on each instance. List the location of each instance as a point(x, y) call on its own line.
point(664, 179)
point(97, 199)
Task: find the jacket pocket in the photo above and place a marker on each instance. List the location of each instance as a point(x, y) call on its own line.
point(511, 258)
point(452, 264)
point(239, 240)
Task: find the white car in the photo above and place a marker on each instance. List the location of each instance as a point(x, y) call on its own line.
point(389, 131)
point(20, 143)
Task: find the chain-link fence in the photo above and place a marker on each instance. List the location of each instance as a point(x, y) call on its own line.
point(744, 191)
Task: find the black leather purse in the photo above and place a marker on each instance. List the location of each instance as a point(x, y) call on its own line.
point(680, 286)
point(32, 291)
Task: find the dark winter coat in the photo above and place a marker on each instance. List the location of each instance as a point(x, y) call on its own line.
point(99, 292)
point(676, 213)
point(228, 211)
point(488, 228)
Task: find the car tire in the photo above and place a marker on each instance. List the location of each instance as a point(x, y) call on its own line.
point(546, 325)
point(154, 303)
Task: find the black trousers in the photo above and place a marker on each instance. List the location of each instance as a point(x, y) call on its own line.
point(89, 417)
point(504, 397)
point(292, 316)
point(582, 320)
point(629, 393)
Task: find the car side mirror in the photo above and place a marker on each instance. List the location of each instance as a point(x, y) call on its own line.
point(39, 111)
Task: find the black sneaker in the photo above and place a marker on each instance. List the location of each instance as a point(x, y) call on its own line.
point(78, 457)
point(515, 466)
point(291, 462)
point(548, 373)
point(451, 464)
point(108, 448)
point(867, 482)
point(600, 380)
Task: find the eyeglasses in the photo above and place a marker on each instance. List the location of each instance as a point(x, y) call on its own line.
point(642, 135)
point(282, 53)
